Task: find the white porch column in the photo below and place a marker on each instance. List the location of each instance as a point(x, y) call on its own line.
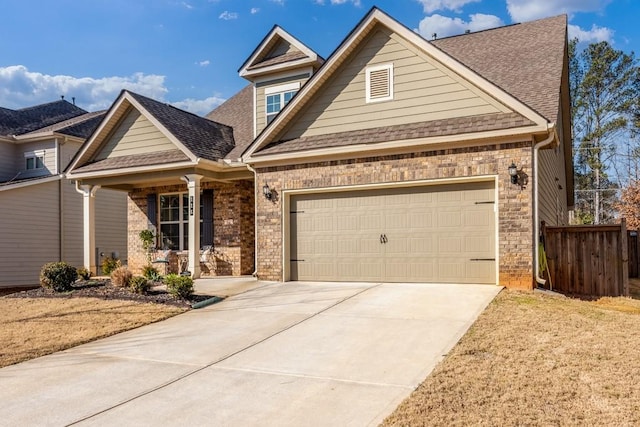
point(193, 184)
point(89, 225)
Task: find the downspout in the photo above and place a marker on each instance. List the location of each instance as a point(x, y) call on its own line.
point(255, 220)
point(551, 128)
point(60, 203)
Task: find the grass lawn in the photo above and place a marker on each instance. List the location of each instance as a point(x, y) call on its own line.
point(534, 359)
point(33, 327)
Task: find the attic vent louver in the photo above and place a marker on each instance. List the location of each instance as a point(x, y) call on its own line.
point(379, 83)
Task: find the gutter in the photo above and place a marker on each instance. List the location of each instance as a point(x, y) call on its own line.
point(255, 220)
point(536, 214)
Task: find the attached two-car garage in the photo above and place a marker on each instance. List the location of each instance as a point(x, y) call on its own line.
point(431, 233)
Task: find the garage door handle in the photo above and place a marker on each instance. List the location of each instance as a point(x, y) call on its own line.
point(383, 238)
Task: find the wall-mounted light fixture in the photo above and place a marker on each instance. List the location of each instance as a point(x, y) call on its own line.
point(267, 192)
point(513, 173)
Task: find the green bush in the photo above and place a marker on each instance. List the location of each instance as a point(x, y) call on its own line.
point(121, 277)
point(58, 275)
point(151, 273)
point(109, 264)
point(83, 273)
point(179, 286)
point(139, 285)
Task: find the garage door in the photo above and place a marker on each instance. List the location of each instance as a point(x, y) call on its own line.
point(442, 234)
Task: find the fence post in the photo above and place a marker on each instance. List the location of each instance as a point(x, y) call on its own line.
point(625, 258)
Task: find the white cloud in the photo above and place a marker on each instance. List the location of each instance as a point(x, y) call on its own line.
point(255, 10)
point(455, 5)
point(203, 63)
point(528, 10)
point(186, 5)
point(227, 16)
point(444, 26)
point(20, 87)
point(595, 34)
point(280, 2)
point(199, 106)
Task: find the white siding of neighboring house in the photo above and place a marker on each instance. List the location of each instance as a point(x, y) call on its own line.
point(67, 151)
point(49, 149)
point(7, 163)
point(110, 222)
point(29, 232)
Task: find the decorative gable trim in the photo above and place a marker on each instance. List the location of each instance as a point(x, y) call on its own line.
point(307, 55)
point(119, 110)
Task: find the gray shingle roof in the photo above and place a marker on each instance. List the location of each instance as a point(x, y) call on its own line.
point(81, 126)
point(203, 137)
point(18, 122)
point(406, 131)
point(237, 112)
point(147, 159)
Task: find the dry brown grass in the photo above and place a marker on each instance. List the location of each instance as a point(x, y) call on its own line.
point(33, 327)
point(534, 359)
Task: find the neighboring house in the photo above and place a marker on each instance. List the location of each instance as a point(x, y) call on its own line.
point(397, 159)
point(41, 219)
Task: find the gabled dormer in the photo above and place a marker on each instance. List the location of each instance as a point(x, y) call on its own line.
point(277, 68)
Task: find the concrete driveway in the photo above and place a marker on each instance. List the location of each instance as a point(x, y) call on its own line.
point(277, 354)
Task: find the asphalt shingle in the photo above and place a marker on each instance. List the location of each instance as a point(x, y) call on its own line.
point(25, 120)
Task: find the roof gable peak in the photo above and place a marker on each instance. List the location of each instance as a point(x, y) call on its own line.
point(278, 51)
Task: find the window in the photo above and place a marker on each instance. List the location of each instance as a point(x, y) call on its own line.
point(277, 97)
point(379, 83)
point(174, 221)
point(34, 160)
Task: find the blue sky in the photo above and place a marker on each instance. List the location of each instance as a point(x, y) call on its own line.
point(187, 52)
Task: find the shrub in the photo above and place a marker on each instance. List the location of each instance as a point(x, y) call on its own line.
point(151, 273)
point(139, 285)
point(83, 273)
point(109, 264)
point(58, 275)
point(121, 277)
point(179, 286)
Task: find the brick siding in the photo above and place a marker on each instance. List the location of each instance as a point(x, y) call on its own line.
point(515, 232)
point(233, 228)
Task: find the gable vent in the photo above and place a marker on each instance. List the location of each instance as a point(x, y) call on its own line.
point(379, 83)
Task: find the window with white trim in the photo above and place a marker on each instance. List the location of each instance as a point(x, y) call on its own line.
point(174, 221)
point(34, 160)
point(277, 97)
point(379, 83)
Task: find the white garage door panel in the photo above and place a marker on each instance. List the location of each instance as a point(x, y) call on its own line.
point(418, 234)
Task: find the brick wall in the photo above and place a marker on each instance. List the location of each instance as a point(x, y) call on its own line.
point(233, 227)
point(515, 232)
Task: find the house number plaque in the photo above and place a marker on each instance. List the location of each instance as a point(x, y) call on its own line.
point(190, 205)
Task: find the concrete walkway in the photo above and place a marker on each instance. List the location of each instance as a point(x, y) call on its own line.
point(278, 354)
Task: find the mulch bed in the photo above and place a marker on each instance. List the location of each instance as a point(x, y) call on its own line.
point(103, 289)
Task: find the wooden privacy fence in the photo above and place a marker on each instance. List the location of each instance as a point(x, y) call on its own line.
point(634, 254)
point(588, 259)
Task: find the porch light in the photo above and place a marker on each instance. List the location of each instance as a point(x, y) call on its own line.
point(267, 192)
point(513, 173)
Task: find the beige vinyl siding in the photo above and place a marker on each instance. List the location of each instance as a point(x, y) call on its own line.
point(8, 165)
point(423, 89)
point(111, 223)
point(135, 134)
point(49, 148)
point(67, 151)
point(261, 113)
point(29, 232)
point(552, 185)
